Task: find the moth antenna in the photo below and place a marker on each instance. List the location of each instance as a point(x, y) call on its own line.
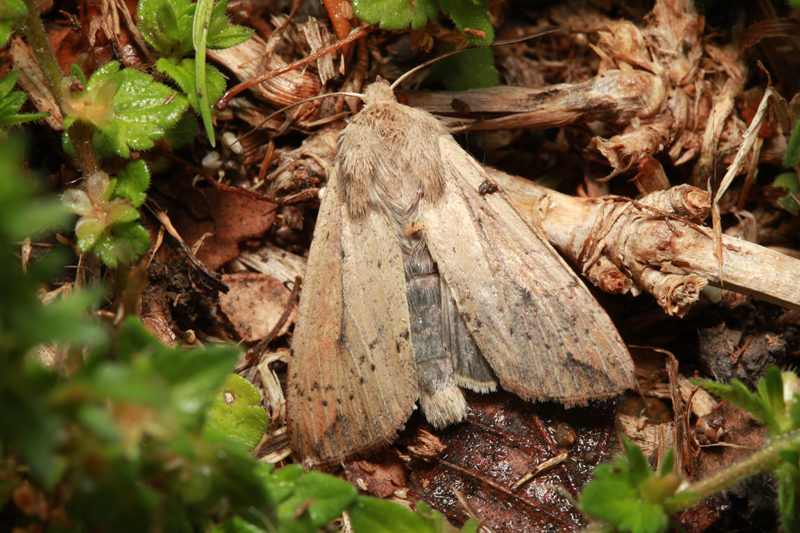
point(284, 109)
point(358, 33)
point(454, 52)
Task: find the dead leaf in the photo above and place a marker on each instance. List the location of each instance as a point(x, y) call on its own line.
point(503, 439)
point(254, 304)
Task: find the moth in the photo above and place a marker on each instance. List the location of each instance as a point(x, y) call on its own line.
point(423, 278)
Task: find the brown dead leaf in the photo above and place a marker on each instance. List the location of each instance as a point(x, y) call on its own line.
point(32, 80)
point(504, 439)
point(254, 304)
point(229, 218)
point(381, 475)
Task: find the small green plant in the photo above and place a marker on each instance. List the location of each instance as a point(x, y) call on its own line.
point(128, 109)
point(177, 27)
point(628, 496)
point(108, 210)
point(776, 405)
point(400, 14)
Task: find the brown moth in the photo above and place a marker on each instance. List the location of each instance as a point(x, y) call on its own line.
point(421, 281)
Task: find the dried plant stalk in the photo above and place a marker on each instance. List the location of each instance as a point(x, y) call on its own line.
point(622, 245)
point(614, 97)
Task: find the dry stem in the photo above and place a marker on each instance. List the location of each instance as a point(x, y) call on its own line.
point(653, 245)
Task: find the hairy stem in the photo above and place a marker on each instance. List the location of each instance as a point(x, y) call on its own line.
point(37, 38)
point(758, 462)
point(80, 134)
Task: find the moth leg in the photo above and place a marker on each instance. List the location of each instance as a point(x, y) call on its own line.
point(471, 369)
point(439, 396)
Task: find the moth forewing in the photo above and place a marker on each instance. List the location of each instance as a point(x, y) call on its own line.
point(534, 321)
point(352, 382)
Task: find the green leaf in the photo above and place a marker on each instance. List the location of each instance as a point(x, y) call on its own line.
point(88, 231)
point(738, 394)
point(471, 69)
point(11, 102)
point(184, 132)
point(142, 112)
point(115, 382)
point(195, 378)
point(795, 411)
point(120, 212)
point(791, 456)
point(787, 502)
point(12, 12)
point(133, 339)
point(770, 388)
point(788, 181)
point(6, 29)
point(76, 72)
point(237, 525)
point(614, 501)
point(792, 155)
point(471, 526)
point(98, 421)
point(132, 183)
point(236, 412)
point(373, 515)
point(281, 484)
point(40, 217)
point(185, 76)
point(15, 120)
point(200, 24)
point(329, 496)
point(470, 14)
point(167, 26)
point(123, 244)
point(628, 495)
point(396, 14)
point(222, 35)
point(13, 9)
point(228, 36)
point(639, 467)
point(8, 82)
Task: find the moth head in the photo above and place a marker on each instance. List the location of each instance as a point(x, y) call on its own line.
point(379, 92)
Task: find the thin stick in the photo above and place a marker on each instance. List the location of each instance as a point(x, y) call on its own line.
point(284, 109)
point(223, 102)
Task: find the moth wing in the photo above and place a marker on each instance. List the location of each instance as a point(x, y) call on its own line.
point(537, 325)
point(352, 382)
